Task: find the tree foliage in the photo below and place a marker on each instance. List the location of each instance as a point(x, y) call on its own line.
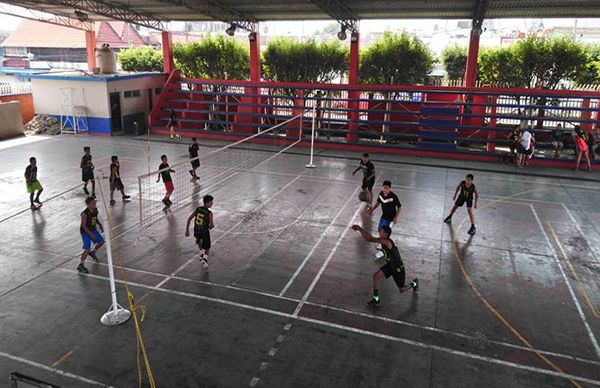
point(140, 59)
point(213, 57)
point(399, 59)
point(287, 60)
point(534, 62)
point(590, 74)
point(454, 59)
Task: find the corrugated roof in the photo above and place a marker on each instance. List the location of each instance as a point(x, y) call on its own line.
point(263, 10)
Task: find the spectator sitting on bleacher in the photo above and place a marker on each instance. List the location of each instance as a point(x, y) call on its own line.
point(557, 140)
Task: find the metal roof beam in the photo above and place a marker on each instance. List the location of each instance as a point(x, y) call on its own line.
point(340, 12)
point(217, 11)
point(22, 11)
point(479, 11)
point(107, 9)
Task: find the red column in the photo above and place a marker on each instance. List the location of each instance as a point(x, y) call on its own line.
point(254, 38)
point(90, 48)
point(471, 73)
point(167, 46)
point(353, 106)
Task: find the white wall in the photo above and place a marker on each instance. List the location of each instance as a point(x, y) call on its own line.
point(48, 96)
point(136, 104)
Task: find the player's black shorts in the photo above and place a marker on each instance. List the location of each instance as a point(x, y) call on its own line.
point(368, 184)
point(461, 201)
point(397, 272)
point(116, 185)
point(203, 240)
point(87, 175)
point(195, 163)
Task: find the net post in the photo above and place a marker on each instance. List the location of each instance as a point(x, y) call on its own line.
point(116, 314)
point(312, 137)
point(140, 196)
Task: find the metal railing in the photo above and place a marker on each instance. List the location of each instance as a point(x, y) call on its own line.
point(14, 88)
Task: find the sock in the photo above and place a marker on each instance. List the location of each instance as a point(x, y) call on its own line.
point(376, 294)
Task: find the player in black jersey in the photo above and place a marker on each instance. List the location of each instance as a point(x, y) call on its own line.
point(165, 174)
point(33, 184)
point(368, 181)
point(393, 266)
point(172, 124)
point(115, 180)
point(203, 223)
point(193, 152)
point(87, 171)
point(468, 191)
point(89, 233)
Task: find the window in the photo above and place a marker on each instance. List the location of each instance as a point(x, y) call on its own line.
point(132, 93)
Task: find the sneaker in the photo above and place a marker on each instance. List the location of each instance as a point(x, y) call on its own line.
point(164, 200)
point(192, 173)
point(374, 302)
point(204, 263)
point(93, 255)
point(81, 268)
point(86, 191)
point(379, 255)
point(37, 200)
point(126, 197)
point(472, 230)
point(415, 285)
point(33, 207)
point(169, 203)
point(112, 202)
point(448, 219)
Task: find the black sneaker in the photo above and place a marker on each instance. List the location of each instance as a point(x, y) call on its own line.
point(415, 285)
point(374, 302)
point(126, 197)
point(37, 200)
point(165, 202)
point(472, 230)
point(169, 203)
point(81, 268)
point(112, 202)
point(93, 255)
point(86, 191)
point(192, 173)
point(448, 219)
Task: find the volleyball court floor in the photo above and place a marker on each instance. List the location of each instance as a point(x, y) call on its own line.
point(284, 301)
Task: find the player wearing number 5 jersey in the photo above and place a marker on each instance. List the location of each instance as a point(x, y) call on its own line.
point(203, 223)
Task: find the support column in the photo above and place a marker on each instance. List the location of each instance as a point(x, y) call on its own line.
point(254, 38)
point(353, 105)
point(471, 72)
point(167, 46)
point(90, 48)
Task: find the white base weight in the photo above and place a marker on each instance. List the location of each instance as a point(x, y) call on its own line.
point(110, 318)
point(311, 166)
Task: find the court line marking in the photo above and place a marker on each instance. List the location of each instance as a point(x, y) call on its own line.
point(230, 229)
point(354, 312)
point(569, 286)
point(318, 243)
point(574, 272)
point(327, 260)
point(580, 230)
point(354, 330)
point(486, 303)
point(62, 359)
point(53, 370)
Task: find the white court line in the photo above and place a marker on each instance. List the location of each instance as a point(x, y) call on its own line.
point(354, 330)
point(53, 370)
point(568, 283)
point(316, 245)
point(578, 227)
point(229, 230)
point(360, 314)
point(322, 269)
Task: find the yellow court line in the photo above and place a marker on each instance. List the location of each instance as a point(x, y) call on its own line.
point(487, 304)
point(580, 285)
point(63, 358)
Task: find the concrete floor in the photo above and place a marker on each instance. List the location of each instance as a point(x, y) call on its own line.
point(284, 302)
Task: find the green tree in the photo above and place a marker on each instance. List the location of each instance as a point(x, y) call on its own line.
point(140, 59)
point(287, 60)
point(590, 74)
point(213, 57)
point(501, 67)
point(399, 59)
point(454, 59)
